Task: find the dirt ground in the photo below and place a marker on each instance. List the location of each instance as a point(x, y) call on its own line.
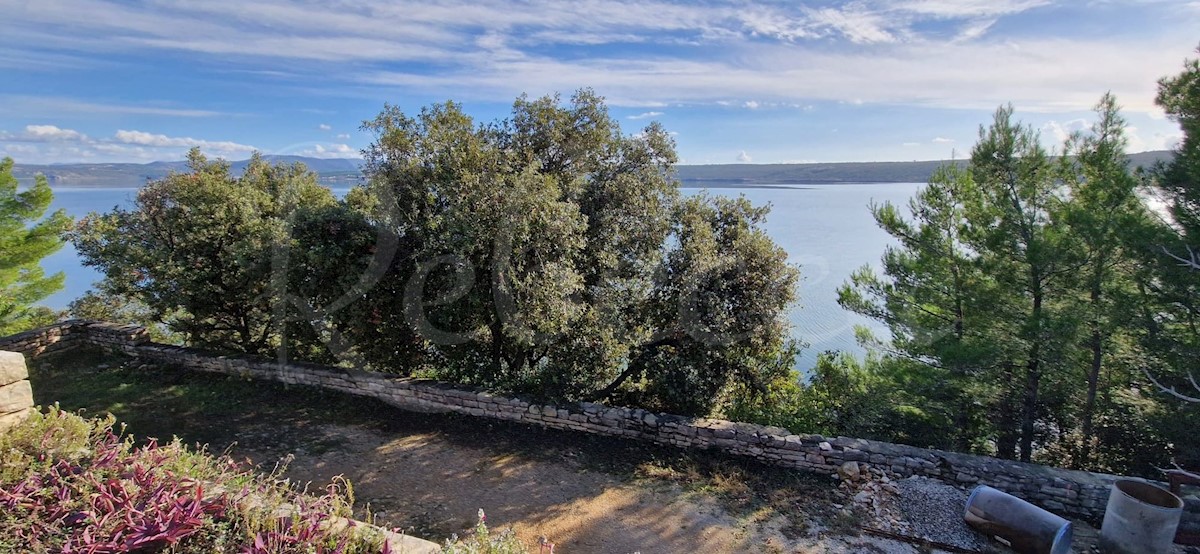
point(435, 487)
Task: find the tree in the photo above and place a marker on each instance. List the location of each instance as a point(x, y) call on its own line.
point(975, 288)
point(197, 249)
point(934, 298)
point(1018, 232)
point(26, 236)
point(1177, 326)
point(552, 255)
point(1103, 213)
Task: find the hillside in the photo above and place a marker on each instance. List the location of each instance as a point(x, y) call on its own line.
point(848, 172)
point(341, 170)
point(131, 174)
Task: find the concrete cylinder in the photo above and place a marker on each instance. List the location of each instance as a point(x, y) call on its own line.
point(1140, 519)
point(1018, 524)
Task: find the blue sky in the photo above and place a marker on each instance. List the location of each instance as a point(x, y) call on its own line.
point(762, 82)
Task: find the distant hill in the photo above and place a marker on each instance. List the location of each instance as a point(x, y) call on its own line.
point(847, 172)
point(331, 170)
point(342, 170)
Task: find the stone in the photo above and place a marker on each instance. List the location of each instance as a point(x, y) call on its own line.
point(10, 419)
point(12, 368)
point(849, 471)
point(15, 397)
point(825, 446)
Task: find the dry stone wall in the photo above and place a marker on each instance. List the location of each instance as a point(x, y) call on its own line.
point(16, 396)
point(1068, 492)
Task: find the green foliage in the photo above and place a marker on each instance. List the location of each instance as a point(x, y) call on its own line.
point(197, 249)
point(103, 306)
point(72, 484)
point(26, 236)
point(878, 398)
point(546, 254)
point(550, 254)
point(1019, 299)
point(484, 541)
point(1173, 333)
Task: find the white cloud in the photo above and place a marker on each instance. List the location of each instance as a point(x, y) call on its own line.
point(1055, 132)
point(44, 133)
point(751, 104)
point(743, 157)
point(644, 115)
point(343, 136)
point(968, 8)
point(1154, 141)
point(331, 151)
point(941, 140)
point(974, 29)
point(324, 127)
point(911, 144)
point(856, 23)
point(162, 141)
point(54, 144)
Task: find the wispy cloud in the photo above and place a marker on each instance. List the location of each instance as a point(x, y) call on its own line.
point(51, 105)
point(774, 53)
point(161, 141)
point(647, 56)
point(743, 157)
point(942, 140)
point(644, 115)
point(324, 127)
point(47, 143)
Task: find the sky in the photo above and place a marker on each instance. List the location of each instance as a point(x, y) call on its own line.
point(735, 82)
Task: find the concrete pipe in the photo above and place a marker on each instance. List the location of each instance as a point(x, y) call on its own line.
point(1018, 524)
point(1140, 519)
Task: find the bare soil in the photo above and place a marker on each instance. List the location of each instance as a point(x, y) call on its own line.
point(434, 488)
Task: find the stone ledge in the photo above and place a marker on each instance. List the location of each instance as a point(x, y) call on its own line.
point(12, 368)
point(13, 418)
point(15, 397)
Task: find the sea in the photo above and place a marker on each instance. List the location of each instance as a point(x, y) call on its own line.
point(827, 230)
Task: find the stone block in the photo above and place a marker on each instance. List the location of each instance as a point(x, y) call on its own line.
point(12, 368)
point(10, 419)
point(15, 397)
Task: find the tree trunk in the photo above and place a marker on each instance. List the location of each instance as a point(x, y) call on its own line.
point(1033, 378)
point(1033, 374)
point(1006, 437)
point(497, 331)
point(1093, 378)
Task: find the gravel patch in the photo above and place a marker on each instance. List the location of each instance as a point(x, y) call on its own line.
point(933, 510)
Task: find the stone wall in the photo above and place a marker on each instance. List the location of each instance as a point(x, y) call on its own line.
point(1068, 492)
point(16, 396)
point(45, 340)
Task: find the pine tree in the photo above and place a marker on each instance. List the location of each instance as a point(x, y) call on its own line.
point(26, 238)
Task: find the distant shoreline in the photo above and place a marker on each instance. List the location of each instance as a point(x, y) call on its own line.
point(346, 172)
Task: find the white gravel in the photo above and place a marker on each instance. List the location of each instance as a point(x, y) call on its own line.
point(934, 511)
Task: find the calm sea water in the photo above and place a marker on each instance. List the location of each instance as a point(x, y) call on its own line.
point(826, 229)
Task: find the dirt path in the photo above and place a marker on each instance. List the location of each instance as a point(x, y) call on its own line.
point(435, 487)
